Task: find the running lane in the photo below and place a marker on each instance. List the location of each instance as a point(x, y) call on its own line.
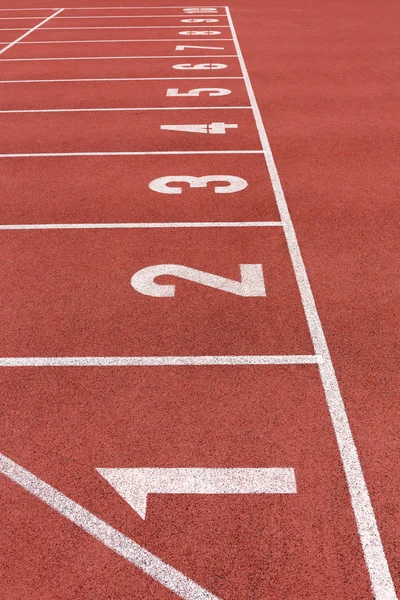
point(101, 207)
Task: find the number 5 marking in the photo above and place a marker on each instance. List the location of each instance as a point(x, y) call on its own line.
point(174, 92)
point(235, 184)
point(251, 284)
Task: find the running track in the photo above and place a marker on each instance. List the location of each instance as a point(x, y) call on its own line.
point(133, 339)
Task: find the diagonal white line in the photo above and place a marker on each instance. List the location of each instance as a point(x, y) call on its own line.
point(112, 538)
point(374, 553)
point(30, 30)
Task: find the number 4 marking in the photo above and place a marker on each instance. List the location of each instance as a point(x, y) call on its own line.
point(213, 128)
point(202, 47)
point(251, 284)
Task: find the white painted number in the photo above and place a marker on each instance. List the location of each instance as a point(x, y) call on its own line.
point(199, 67)
point(213, 128)
point(251, 283)
point(201, 47)
point(199, 20)
point(199, 10)
point(195, 32)
point(235, 184)
point(173, 92)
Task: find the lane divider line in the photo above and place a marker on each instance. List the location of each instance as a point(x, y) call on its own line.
point(374, 553)
point(31, 30)
point(157, 361)
point(161, 153)
point(112, 41)
point(162, 572)
point(122, 109)
point(108, 57)
point(115, 79)
point(140, 225)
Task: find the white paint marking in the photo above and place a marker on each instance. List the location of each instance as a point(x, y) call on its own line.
point(208, 129)
point(381, 580)
point(31, 30)
point(73, 17)
point(134, 485)
point(132, 27)
point(166, 153)
point(134, 553)
point(123, 109)
point(140, 225)
point(251, 284)
point(107, 57)
point(156, 361)
point(119, 42)
point(114, 79)
point(235, 184)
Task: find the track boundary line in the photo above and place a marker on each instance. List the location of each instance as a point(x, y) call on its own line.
point(30, 30)
point(113, 539)
point(374, 553)
point(165, 225)
point(158, 361)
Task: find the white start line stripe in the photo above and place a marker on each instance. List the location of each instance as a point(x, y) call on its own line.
point(123, 109)
point(113, 79)
point(140, 225)
point(155, 361)
point(109, 57)
point(166, 153)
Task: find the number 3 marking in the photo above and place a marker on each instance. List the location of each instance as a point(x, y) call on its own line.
point(251, 283)
point(235, 184)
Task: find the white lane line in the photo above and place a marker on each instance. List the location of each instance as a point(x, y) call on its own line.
point(381, 580)
point(73, 17)
point(112, 538)
point(113, 41)
point(113, 79)
point(200, 27)
point(31, 30)
point(105, 8)
point(123, 109)
point(161, 153)
point(15, 29)
point(141, 225)
point(111, 57)
point(156, 361)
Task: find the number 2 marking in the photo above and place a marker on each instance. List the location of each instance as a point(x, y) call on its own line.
point(251, 283)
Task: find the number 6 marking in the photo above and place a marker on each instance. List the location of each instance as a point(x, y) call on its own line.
point(235, 184)
point(199, 66)
point(251, 284)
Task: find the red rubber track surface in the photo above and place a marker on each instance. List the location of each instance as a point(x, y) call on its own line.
point(324, 74)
